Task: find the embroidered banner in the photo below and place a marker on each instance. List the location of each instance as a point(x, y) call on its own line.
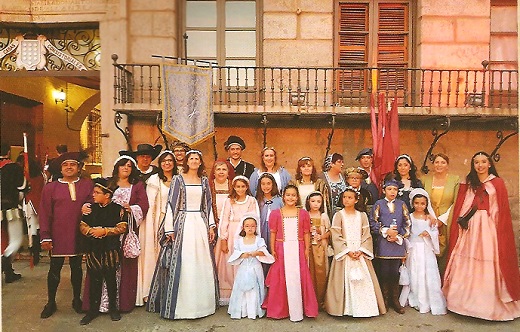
point(188, 105)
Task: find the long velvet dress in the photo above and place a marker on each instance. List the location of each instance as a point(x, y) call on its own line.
point(184, 285)
point(290, 290)
point(136, 197)
point(482, 278)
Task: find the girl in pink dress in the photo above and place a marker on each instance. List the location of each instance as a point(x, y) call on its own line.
point(290, 290)
point(235, 207)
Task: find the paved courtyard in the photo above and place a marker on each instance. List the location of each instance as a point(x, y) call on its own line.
point(22, 302)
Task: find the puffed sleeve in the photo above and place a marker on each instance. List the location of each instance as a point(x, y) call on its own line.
point(225, 215)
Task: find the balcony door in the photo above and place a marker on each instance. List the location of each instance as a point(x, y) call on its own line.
point(375, 33)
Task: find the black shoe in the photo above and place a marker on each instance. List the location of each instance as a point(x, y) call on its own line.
point(48, 310)
point(88, 318)
point(115, 315)
point(77, 306)
point(12, 277)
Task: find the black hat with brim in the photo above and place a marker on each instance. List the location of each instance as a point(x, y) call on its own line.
point(143, 149)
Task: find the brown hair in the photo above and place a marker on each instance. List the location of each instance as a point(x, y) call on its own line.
point(302, 162)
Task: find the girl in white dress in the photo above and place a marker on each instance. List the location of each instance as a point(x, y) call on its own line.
point(353, 289)
point(249, 252)
point(424, 291)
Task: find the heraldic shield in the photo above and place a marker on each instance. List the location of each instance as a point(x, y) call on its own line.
point(188, 105)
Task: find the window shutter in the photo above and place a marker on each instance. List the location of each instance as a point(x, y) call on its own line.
point(392, 44)
point(353, 44)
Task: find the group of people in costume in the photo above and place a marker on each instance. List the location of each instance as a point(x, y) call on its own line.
point(266, 243)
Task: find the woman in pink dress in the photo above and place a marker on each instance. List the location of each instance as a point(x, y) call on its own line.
point(482, 278)
point(290, 290)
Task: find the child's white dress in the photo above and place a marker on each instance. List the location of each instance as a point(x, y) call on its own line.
point(424, 292)
point(248, 288)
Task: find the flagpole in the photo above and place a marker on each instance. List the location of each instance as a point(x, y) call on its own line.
point(27, 177)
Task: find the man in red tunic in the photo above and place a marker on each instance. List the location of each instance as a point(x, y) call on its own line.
point(60, 216)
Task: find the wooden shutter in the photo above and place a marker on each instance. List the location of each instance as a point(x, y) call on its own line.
point(353, 45)
point(392, 44)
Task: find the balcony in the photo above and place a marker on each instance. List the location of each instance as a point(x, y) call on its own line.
point(325, 91)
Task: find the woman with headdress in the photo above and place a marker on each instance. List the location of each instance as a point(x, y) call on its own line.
point(307, 181)
point(131, 195)
point(157, 188)
point(184, 284)
point(220, 178)
point(332, 168)
point(236, 205)
point(405, 171)
point(269, 165)
point(482, 278)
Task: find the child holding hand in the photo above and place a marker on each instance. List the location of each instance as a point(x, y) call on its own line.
point(249, 252)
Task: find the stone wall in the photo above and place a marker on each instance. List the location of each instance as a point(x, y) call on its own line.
point(294, 30)
point(452, 33)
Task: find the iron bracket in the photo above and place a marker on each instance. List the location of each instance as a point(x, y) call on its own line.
point(444, 124)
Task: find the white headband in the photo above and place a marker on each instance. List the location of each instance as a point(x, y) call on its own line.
point(405, 156)
point(240, 177)
point(126, 157)
point(194, 151)
point(165, 151)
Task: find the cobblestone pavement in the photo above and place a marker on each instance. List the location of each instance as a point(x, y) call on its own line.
point(23, 301)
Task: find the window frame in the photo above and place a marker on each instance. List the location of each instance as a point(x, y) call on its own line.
point(221, 32)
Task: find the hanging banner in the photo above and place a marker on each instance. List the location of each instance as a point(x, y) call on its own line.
point(188, 104)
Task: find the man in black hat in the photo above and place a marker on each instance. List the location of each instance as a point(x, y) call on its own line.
point(366, 159)
point(144, 155)
point(13, 183)
point(234, 146)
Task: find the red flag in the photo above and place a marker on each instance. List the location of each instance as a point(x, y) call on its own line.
point(385, 138)
point(393, 125)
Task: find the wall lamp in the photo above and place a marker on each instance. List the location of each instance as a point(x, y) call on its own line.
point(59, 96)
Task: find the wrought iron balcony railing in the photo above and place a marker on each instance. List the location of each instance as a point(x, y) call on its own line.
point(323, 89)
